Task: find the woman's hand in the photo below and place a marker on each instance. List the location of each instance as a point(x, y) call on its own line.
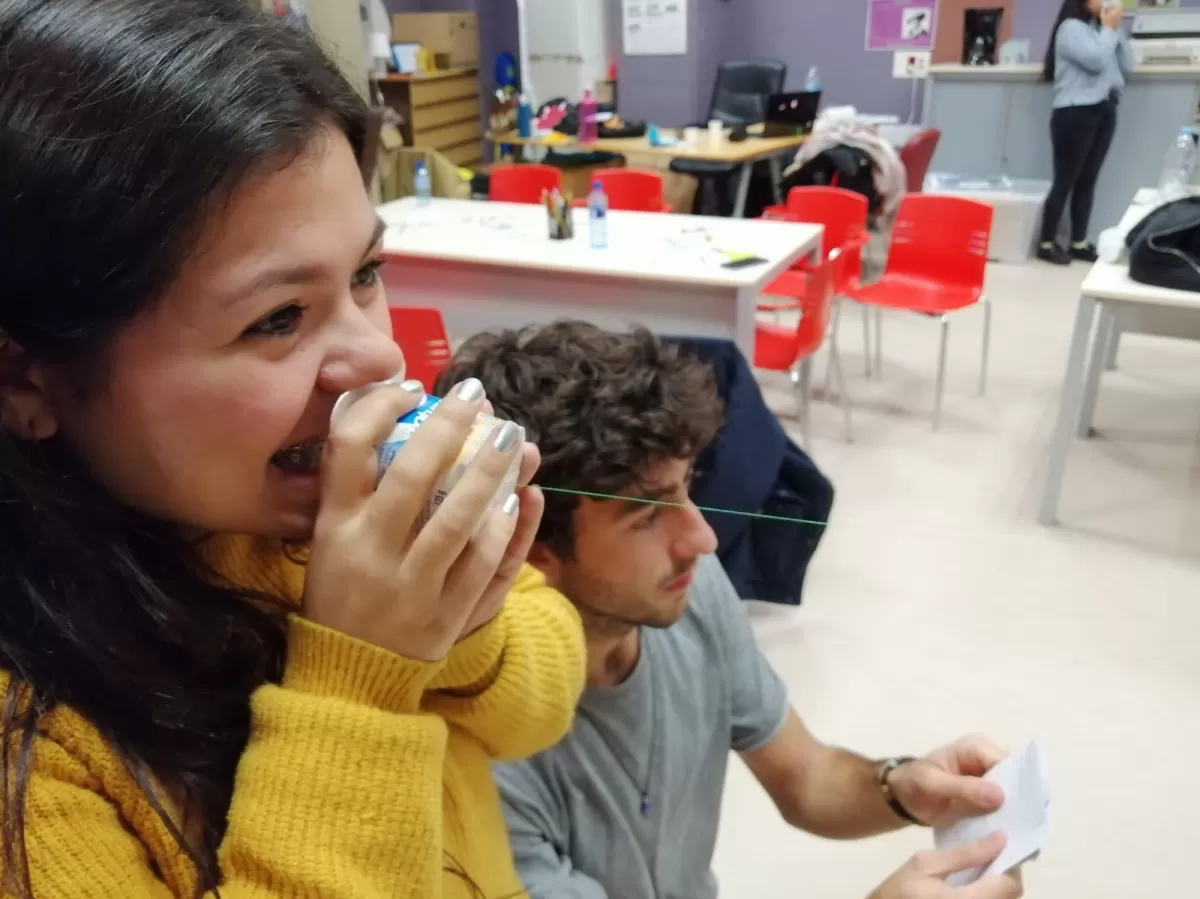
point(528, 519)
point(1112, 15)
point(369, 575)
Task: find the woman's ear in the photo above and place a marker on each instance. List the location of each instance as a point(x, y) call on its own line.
point(25, 408)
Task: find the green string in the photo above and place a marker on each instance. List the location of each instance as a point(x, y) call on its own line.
point(763, 516)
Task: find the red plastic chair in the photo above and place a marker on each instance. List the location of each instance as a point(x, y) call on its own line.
point(917, 156)
point(783, 348)
point(843, 214)
point(421, 334)
point(631, 190)
point(936, 266)
point(522, 183)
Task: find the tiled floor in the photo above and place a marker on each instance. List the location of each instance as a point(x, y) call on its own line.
point(938, 606)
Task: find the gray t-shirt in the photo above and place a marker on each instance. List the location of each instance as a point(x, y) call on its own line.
point(626, 806)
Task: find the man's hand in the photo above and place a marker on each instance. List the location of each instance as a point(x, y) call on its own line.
point(945, 786)
point(924, 876)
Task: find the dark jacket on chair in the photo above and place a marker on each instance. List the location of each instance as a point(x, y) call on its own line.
point(752, 466)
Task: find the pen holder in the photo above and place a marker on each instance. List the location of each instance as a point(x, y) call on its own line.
point(561, 226)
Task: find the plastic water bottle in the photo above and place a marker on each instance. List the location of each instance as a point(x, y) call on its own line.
point(598, 217)
point(524, 117)
point(422, 185)
point(812, 83)
point(1194, 157)
point(588, 130)
point(1177, 166)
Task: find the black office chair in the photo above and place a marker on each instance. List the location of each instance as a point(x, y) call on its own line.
point(739, 97)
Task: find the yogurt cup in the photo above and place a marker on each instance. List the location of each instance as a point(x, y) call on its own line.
point(484, 428)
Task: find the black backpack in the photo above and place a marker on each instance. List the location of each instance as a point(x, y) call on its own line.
point(842, 166)
point(1164, 247)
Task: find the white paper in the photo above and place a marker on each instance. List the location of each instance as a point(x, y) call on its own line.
point(1024, 818)
point(654, 27)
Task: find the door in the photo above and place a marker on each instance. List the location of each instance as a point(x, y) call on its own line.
point(566, 46)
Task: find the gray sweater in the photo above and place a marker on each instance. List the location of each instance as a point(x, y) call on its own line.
point(1091, 63)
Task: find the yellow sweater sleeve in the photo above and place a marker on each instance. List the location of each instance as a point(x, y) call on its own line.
point(338, 793)
point(515, 683)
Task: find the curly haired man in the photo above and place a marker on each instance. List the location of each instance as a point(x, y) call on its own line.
point(626, 806)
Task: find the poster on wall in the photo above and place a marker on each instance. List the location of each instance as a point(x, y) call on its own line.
point(654, 27)
point(1143, 5)
point(901, 24)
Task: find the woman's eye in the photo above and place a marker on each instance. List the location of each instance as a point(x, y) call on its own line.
point(279, 323)
point(368, 275)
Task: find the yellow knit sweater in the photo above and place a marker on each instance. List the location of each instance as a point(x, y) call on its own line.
point(366, 774)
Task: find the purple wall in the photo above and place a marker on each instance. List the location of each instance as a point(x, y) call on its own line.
point(662, 89)
point(498, 33)
point(1033, 21)
point(829, 34)
point(674, 90)
point(430, 5)
point(448, 5)
point(825, 33)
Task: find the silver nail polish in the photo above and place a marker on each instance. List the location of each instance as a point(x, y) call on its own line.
point(511, 505)
point(413, 386)
point(470, 390)
point(510, 432)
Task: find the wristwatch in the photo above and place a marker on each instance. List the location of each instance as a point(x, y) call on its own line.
point(885, 774)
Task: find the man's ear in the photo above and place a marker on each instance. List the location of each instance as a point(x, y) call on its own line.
point(25, 408)
point(544, 560)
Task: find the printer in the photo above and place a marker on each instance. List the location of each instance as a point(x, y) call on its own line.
point(1166, 38)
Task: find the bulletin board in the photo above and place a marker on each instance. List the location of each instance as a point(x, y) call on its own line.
point(901, 24)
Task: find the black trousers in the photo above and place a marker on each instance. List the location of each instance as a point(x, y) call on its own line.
point(1081, 136)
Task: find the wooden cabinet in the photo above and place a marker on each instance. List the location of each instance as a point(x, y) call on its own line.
point(441, 112)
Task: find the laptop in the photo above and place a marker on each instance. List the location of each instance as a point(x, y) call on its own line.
point(792, 113)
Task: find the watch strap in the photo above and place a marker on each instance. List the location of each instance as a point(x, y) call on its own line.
point(885, 774)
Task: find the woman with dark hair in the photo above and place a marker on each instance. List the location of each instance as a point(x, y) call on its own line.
point(229, 661)
point(1087, 61)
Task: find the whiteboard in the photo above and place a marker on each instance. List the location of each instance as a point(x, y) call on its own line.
point(654, 27)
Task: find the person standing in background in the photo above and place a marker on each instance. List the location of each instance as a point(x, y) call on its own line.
point(1087, 61)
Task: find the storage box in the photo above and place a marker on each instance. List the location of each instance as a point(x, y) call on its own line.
point(452, 34)
point(1016, 204)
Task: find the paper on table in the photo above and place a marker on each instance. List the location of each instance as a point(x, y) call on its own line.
point(1024, 817)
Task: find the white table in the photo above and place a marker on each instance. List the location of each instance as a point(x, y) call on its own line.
point(1158, 323)
point(1109, 291)
point(492, 265)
